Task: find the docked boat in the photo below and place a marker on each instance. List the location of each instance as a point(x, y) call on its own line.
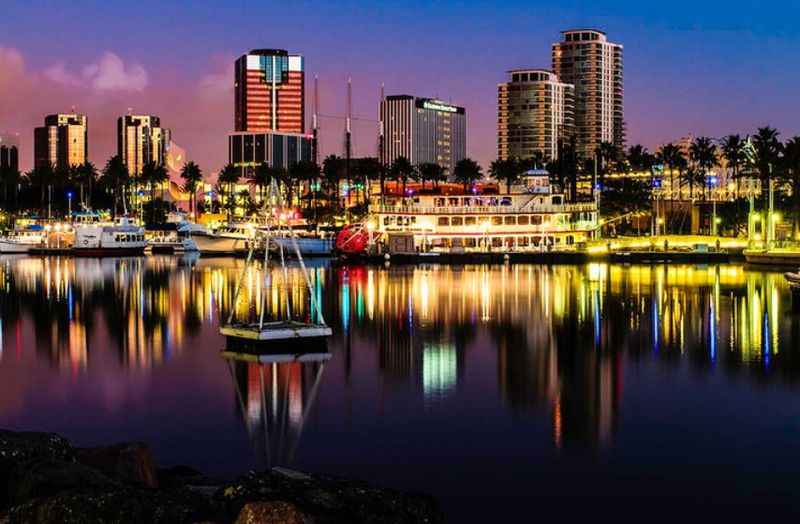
point(228, 240)
point(22, 240)
point(774, 256)
point(169, 238)
point(532, 217)
point(122, 237)
point(310, 246)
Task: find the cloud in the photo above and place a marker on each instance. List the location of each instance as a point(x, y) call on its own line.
point(109, 73)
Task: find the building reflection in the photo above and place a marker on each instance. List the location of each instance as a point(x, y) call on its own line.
point(546, 341)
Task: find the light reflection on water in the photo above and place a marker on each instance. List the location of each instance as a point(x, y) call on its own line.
point(128, 348)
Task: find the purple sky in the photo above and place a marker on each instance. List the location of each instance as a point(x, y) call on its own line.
point(702, 67)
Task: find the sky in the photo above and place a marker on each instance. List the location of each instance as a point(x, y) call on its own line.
point(706, 68)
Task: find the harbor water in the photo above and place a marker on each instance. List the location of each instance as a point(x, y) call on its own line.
point(510, 392)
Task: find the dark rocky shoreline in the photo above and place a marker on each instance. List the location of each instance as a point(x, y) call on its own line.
point(47, 480)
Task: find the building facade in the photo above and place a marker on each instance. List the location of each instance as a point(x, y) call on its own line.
point(424, 130)
point(9, 152)
point(248, 150)
point(586, 59)
point(269, 87)
point(62, 142)
point(534, 112)
point(140, 140)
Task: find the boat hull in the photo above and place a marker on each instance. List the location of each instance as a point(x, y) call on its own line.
point(220, 245)
point(107, 251)
point(319, 247)
point(14, 247)
point(773, 258)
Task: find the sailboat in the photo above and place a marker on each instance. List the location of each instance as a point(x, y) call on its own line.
point(264, 329)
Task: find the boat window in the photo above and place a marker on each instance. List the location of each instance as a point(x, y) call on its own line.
point(444, 221)
point(470, 221)
point(469, 242)
point(466, 201)
point(497, 242)
point(523, 220)
point(511, 220)
point(557, 200)
point(438, 202)
point(452, 201)
point(536, 220)
point(537, 241)
point(497, 221)
point(456, 221)
point(522, 241)
point(387, 221)
point(505, 201)
point(457, 242)
point(492, 201)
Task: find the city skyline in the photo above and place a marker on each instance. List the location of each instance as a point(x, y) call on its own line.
point(668, 91)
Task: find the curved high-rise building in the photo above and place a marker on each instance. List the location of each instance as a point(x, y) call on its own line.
point(534, 112)
point(586, 59)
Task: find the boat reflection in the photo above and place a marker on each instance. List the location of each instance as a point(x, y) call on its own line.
point(275, 393)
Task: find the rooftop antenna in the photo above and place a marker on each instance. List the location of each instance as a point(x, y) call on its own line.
point(348, 144)
point(315, 121)
point(380, 126)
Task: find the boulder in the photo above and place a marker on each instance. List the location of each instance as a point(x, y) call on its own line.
point(124, 505)
point(44, 478)
point(275, 512)
point(130, 462)
point(328, 499)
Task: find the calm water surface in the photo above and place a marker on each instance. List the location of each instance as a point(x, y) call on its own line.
point(511, 393)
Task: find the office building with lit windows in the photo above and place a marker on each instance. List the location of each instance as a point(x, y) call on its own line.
point(535, 111)
point(269, 92)
point(424, 130)
point(586, 59)
point(62, 141)
point(140, 140)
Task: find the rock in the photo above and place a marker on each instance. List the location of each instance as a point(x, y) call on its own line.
point(44, 478)
point(328, 499)
point(185, 476)
point(129, 462)
point(276, 512)
point(127, 505)
point(18, 450)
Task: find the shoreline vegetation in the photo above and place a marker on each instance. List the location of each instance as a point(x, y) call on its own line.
point(47, 480)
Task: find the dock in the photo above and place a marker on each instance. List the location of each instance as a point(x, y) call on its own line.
point(275, 330)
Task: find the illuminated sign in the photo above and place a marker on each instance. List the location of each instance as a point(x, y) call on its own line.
point(438, 106)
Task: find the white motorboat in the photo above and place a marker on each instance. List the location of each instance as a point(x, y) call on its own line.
point(228, 240)
point(169, 238)
point(123, 237)
point(23, 240)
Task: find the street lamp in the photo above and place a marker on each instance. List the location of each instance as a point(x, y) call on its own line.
point(69, 205)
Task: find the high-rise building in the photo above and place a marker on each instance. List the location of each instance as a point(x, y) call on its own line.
point(248, 150)
point(62, 142)
point(9, 152)
point(534, 111)
point(586, 59)
point(140, 140)
point(269, 88)
point(424, 130)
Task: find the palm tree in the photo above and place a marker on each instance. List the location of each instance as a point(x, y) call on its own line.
point(506, 170)
point(608, 155)
point(791, 161)
point(332, 168)
point(42, 177)
point(192, 176)
point(703, 153)
point(262, 177)
point(639, 158)
point(733, 152)
point(11, 178)
point(402, 170)
point(86, 174)
point(467, 171)
point(115, 178)
point(430, 171)
point(766, 154)
point(229, 176)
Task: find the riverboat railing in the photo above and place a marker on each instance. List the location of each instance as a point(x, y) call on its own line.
point(487, 210)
